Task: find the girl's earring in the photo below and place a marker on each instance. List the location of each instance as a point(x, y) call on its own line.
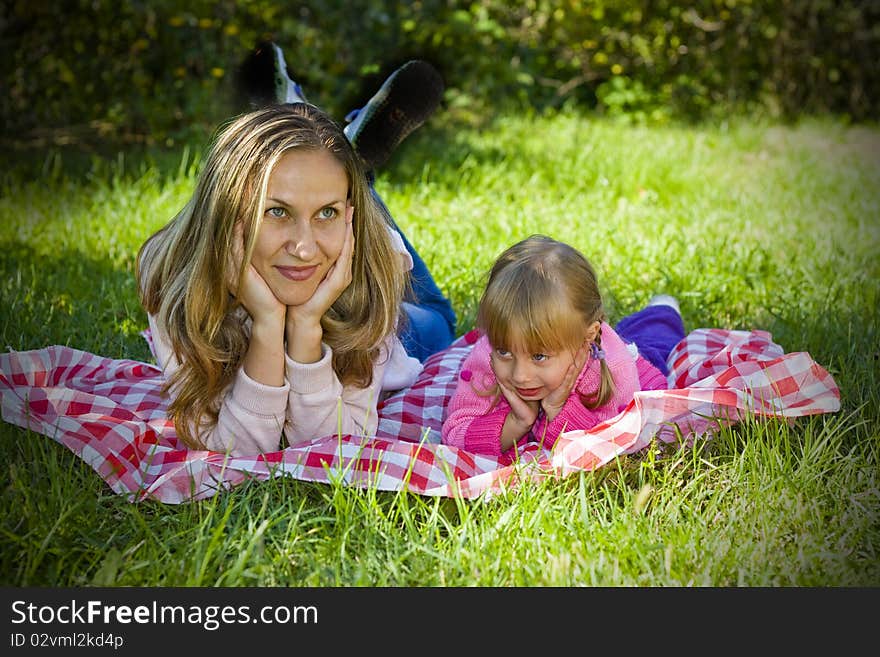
point(596, 352)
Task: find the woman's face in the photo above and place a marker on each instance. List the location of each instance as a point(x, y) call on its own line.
point(303, 227)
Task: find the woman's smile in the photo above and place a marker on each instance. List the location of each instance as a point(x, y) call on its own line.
point(303, 227)
point(297, 273)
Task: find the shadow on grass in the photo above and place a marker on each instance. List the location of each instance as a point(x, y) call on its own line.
point(68, 298)
point(101, 160)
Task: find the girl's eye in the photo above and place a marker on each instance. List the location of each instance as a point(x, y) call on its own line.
point(328, 213)
point(539, 358)
point(276, 212)
point(502, 353)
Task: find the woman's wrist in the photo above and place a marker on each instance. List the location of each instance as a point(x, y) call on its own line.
point(271, 325)
point(304, 342)
point(264, 360)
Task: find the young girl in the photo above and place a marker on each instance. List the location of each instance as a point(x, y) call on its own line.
point(547, 361)
point(274, 297)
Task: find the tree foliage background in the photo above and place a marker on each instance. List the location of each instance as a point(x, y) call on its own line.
point(154, 71)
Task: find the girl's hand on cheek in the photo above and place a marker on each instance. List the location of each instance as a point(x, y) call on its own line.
point(554, 402)
point(524, 412)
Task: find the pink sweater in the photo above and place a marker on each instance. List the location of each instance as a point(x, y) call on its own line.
point(474, 422)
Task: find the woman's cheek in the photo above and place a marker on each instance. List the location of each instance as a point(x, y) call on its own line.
point(332, 239)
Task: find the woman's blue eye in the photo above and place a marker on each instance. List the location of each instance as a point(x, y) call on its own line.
point(276, 212)
point(328, 213)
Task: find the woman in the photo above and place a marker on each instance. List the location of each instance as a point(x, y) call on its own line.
point(274, 297)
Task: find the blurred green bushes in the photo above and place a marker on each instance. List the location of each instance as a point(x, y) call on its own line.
point(154, 71)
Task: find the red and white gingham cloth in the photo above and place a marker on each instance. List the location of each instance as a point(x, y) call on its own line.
point(112, 415)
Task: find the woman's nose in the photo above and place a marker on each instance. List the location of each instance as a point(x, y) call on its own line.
point(301, 242)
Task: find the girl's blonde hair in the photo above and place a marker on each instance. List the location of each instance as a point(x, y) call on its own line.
point(540, 296)
point(184, 267)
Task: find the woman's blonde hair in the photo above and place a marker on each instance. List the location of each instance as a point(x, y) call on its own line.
point(540, 296)
point(184, 267)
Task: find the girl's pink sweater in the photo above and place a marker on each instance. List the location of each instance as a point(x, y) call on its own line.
point(474, 421)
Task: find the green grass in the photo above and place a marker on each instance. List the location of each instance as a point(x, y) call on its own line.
point(750, 225)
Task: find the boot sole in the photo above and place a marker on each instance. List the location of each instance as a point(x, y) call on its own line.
point(403, 104)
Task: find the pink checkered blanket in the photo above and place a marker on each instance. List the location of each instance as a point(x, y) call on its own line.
point(111, 414)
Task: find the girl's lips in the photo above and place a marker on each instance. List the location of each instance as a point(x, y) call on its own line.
point(527, 392)
point(297, 273)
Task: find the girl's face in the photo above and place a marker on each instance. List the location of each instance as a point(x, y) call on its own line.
point(532, 376)
point(303, 226)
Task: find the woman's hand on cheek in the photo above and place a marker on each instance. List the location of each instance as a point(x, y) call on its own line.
point(255, 294)
point(338, 278)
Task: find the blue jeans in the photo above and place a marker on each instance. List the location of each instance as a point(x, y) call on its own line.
point(430, 320)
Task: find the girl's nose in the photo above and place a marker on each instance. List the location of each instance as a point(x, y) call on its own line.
point(521, 372)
